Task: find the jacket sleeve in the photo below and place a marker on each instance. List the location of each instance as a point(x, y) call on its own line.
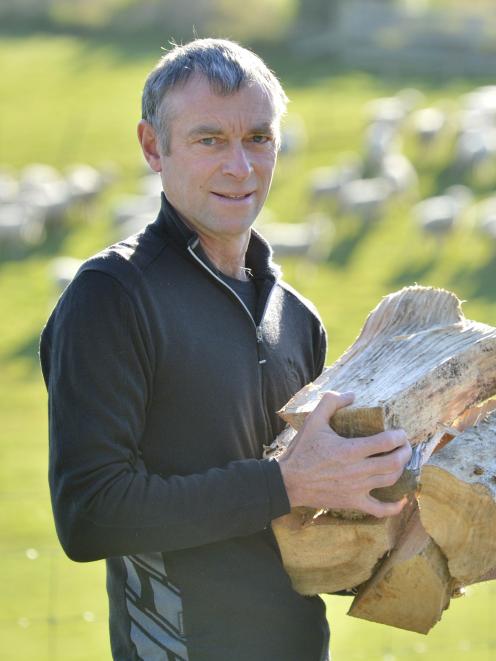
point(321, 350)
point(99, 376)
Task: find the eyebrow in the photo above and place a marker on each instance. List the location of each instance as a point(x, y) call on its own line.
point(211, 129)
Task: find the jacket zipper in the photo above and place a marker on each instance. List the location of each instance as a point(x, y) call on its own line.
point(258, 329)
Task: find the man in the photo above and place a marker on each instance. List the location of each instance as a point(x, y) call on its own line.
point(166, 360)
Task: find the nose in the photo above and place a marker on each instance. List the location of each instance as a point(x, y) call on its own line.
point(237, 163)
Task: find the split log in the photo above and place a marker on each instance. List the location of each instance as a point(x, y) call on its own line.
point(457, 501)
point(418, 363)
point(325, 553)
point(411, 588)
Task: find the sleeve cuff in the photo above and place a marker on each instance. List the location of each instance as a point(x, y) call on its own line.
point(278, 498)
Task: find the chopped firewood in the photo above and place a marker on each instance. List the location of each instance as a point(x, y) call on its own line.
point(420, 365)
point(488, 576)
point(411, 588)
point(417, 364)
point(279, 444)
point(469, 418)
point(324, 553)
point(457, 501)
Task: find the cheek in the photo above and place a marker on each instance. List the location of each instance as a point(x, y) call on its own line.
point(265, 168)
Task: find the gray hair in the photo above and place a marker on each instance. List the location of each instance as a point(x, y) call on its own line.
point(227, 67)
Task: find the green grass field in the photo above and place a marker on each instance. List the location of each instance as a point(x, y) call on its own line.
point(66, 100)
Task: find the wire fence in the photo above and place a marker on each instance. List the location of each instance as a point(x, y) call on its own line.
point(43, 605)
point(52, 609)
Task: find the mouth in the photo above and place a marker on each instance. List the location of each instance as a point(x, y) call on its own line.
point(236, 197)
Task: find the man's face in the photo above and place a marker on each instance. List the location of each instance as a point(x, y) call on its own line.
point(221, 158)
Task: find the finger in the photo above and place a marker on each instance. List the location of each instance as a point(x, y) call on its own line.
point(391, 462)
point(380, 510)
point(331, 402)
point(385, 441)
point(385, 480)
point(379, 446)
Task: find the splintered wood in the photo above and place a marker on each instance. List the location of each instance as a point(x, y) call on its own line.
point(420, 365)
point(416, 365)
point(326, 553)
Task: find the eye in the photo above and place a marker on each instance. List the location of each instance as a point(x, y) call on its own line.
point(208, 141)
point(260, 139)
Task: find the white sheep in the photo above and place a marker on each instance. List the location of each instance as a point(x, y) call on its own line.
point(439, 215)
point(20, 225)
point(311, 238)
point(428, 124)
point(63, 270)
point(366, 198)
point(85, 182)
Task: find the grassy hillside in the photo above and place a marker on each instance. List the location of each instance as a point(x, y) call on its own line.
point(66, 100)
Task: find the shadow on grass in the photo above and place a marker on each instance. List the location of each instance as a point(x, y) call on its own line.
point(50, 247)
point(28, 350)
point(343, 249)
point(478, 281)
point(413, 272)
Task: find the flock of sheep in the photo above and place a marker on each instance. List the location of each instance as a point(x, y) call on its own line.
point(360, 185)
point(41, 197)
point(364, 184)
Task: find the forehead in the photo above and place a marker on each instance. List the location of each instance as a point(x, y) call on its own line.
point(196, 103)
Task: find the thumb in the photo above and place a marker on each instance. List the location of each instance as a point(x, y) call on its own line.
point(331, 402)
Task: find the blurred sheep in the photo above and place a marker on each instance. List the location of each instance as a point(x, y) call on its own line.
point(293, 134)
point(475, 147)
point(43, 188)
point(386, 111)
point(20, 225)
point(132, 213)
point(400, 172)
point(486, 217)
point(428, 124)
point(481, 100)
point(311, 238)
point(85, 182)
point(438, 216)
point(326, 182)
point(379, 140)
point(63, 271)
point(150, 185)
point(8, 186)
point(366, 198)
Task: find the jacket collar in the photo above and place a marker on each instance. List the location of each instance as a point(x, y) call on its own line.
point(170, 224)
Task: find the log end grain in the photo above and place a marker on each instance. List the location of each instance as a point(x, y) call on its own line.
point(412, 587)
point(457, 501)
point(327, 554)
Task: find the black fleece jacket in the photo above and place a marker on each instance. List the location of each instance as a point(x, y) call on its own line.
point(162, 392)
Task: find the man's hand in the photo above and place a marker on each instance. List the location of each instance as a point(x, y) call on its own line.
point(323, 470)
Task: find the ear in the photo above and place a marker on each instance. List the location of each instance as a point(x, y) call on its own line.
point(150, 145)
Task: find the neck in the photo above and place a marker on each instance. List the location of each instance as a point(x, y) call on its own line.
point(228, 255)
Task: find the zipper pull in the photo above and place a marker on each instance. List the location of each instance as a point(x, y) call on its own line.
point(261, 361)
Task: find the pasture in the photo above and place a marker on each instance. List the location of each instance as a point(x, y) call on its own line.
point(67, 100)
